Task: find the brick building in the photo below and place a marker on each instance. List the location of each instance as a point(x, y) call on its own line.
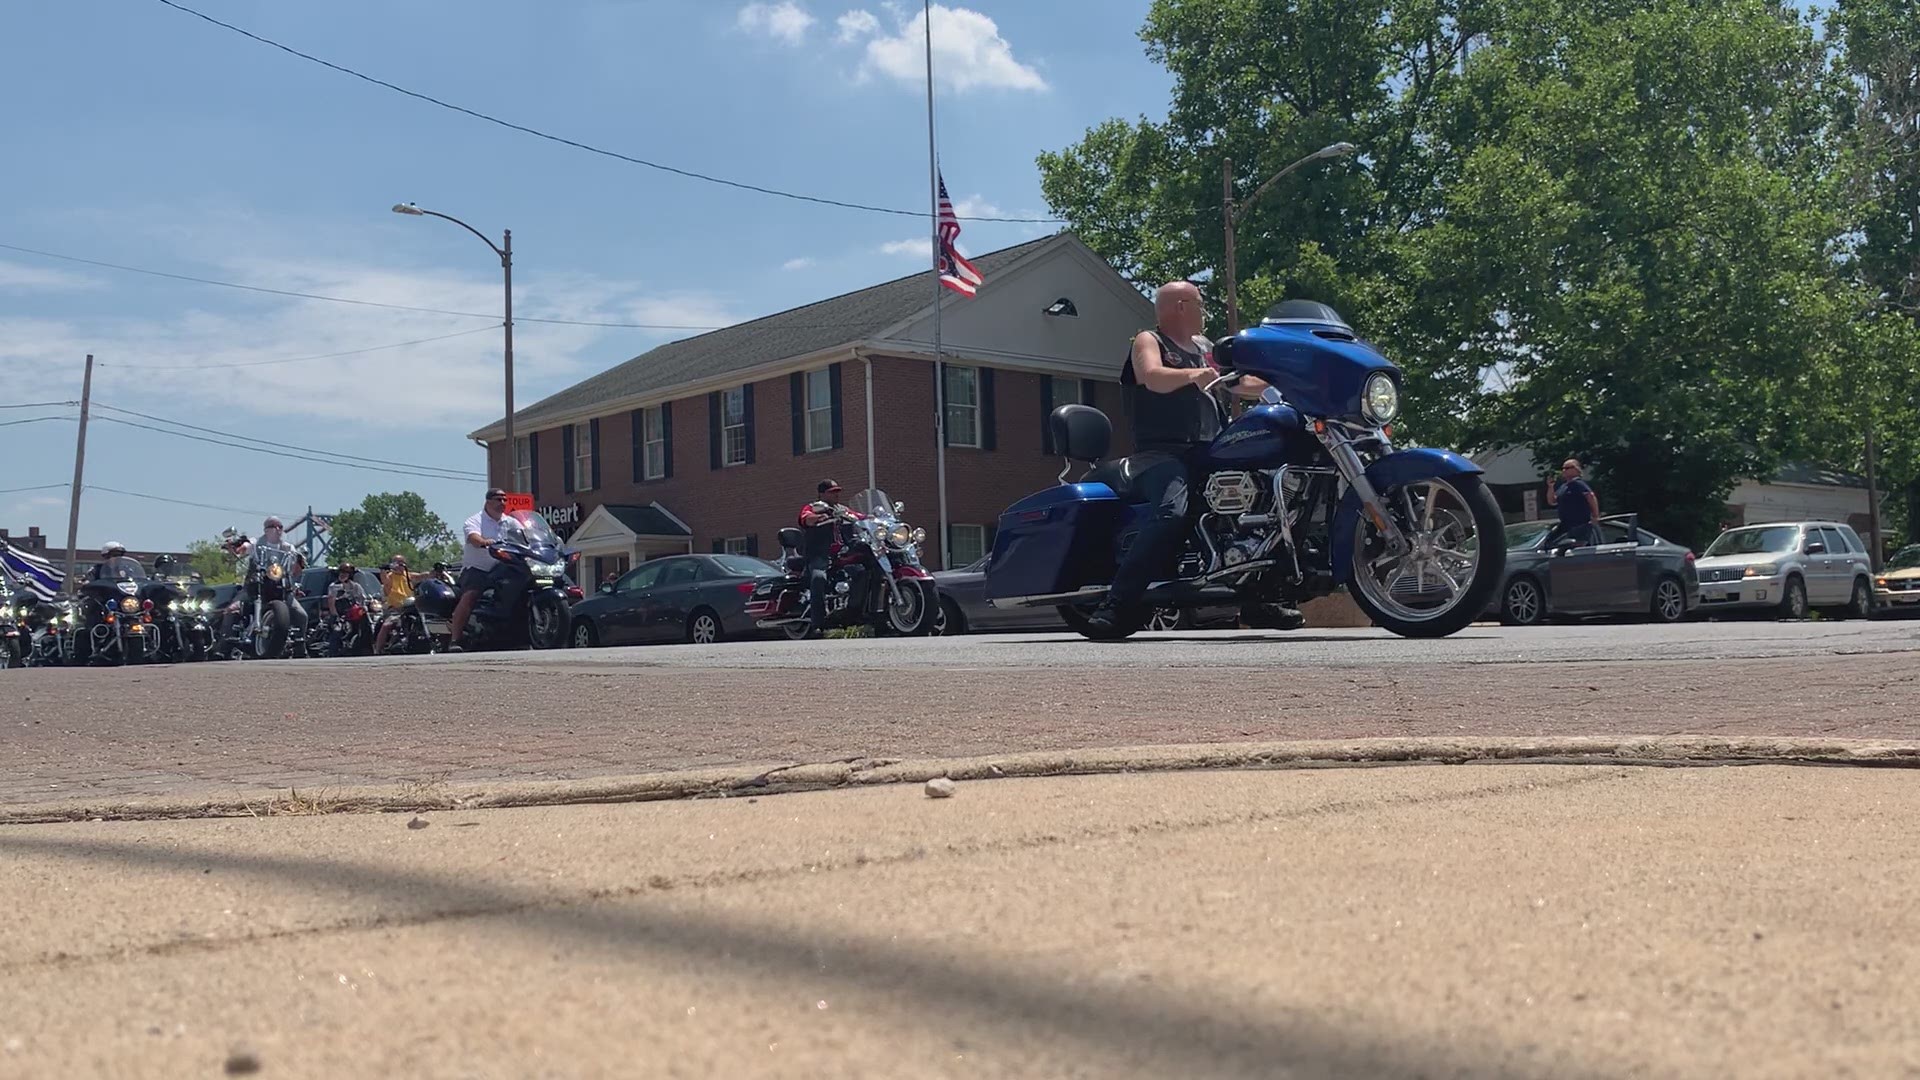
point(38, 543)
point(714, 442)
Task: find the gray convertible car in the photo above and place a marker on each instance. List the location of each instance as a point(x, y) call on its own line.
point(690, 598)
point(1629, 572)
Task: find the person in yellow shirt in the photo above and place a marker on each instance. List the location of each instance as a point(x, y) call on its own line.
point(396, 586)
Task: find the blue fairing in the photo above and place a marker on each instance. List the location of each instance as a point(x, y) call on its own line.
point(1320, 368)
point(1394, 470)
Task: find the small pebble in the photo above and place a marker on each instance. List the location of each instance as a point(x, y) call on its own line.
point(242, 1061)
point(940, 788)
point(417, 823)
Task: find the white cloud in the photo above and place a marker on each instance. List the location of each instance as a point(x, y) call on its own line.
point(920, 247)
point(968, 53)
point(855, 25)
point(785, 21)
point(973, 206)
point(15, 275)
point(804, 262)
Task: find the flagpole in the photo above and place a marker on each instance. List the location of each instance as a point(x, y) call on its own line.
point(939, 370)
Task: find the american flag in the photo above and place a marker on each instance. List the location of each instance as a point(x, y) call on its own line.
point(30, 573)
point(956, 272)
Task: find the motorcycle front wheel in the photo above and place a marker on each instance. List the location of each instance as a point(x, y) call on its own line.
point(272, 644)
point(911, 608)
point(548, 621)
point(1453, 559)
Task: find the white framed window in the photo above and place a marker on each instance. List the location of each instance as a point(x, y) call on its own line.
point(523, 463)
point(583, 457)
point(963, 407)
point(968, 545)
point(1064, 391)
point(736, 545)
point(819, 410)
point(654, 443)
point(733, 428)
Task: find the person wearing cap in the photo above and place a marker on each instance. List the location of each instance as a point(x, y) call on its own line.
point(817, 520)
point(480, 533)
point(115, 564)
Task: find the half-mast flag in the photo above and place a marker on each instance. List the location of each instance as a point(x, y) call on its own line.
point(956, 272)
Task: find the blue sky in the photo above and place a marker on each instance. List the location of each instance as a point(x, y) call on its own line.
point(143, 136)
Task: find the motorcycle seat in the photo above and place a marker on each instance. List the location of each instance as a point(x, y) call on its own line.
point(1123, 475)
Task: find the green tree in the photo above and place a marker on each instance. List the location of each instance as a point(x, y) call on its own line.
point(388, 523)
point(214, 565)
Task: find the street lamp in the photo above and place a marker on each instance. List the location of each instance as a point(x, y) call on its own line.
point(1230, 214)
point(504, 250)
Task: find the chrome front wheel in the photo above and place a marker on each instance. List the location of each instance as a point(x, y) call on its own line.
point(1451, 556)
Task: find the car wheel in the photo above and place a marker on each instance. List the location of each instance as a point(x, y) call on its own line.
point(1669, 601)
point(1793, 602)
point(584, 636)
point(949, 620)
point(1524, 603)
point(704, 628)
point(1860, 606)
point(1167, 618)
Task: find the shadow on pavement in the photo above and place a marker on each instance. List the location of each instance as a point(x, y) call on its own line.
point(1187, 1036)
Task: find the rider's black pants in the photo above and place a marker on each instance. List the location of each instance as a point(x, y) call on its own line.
point(817, 589)
point(1165, 485)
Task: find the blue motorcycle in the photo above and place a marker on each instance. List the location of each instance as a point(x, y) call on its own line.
point(1302, 494)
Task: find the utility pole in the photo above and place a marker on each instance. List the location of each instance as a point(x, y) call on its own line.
point(1873, 506)
point(506, 268)
point(1226, 218)
point(79, 468)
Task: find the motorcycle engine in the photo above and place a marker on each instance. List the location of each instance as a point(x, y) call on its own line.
point(1232, 492)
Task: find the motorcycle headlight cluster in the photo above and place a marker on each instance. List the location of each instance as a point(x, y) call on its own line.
point(899, 535)
point(1380, 399)
point(129, 605)
point(548, 569)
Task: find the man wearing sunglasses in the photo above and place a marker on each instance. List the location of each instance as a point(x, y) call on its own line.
point(480, 533)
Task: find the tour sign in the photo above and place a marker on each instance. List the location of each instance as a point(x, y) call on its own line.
point(518, 502)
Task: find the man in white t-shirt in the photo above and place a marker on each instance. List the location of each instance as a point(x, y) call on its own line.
point(477, 536)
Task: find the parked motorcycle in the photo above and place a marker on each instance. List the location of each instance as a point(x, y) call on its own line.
point(874, 577)
point(529, 598)
point(1302, 494)
point(50, 633)
point(115, 628)
point(349, 630)
point(180, 620)
point(266, 600)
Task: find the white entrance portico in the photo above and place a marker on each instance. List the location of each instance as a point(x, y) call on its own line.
point(615, 538)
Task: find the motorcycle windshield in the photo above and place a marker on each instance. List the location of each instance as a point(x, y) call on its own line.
point(274, 562)
point(874, 503)
point(527, 529)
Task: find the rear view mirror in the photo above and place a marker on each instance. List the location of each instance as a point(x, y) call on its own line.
point(1815, 547)
point(607, 588)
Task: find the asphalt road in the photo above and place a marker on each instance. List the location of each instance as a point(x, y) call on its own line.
point(250, 730)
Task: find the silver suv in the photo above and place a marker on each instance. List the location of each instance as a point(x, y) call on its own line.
point(1791, 567)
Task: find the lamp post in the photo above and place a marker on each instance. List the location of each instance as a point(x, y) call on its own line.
point(1230, 215)
point(504, 250)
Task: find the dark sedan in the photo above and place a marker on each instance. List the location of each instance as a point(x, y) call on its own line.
point(1629, 572)
point(699, 599)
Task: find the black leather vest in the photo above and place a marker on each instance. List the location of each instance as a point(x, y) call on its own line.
point(1178, 421)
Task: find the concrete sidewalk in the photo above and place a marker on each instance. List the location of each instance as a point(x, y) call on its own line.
point(1415, 921)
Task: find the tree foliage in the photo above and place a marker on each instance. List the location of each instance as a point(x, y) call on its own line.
point(386, 524)
point(215, 566)
point(1646, 233)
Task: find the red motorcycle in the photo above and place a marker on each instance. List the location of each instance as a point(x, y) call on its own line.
point(873, 577)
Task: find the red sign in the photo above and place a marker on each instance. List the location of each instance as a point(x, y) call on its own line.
point(517, 502)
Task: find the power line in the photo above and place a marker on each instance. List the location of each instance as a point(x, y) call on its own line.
point(34, 420)
point(281, 453)
point(39, 404)
point(302, 359)
point(288, 446)
point(537, 133)
point(176, 502)
point(42, 487)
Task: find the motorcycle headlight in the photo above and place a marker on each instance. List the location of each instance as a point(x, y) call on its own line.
point(1380, 399)
point(919, 536)
point(129, 605)
point(899, 536)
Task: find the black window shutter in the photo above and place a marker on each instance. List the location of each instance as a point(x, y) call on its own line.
point(719, 547)
point(1046, 414)
point(533, 465)
point(797, 385)
point(753, 544)
point(985, 386)
point(839, 430)
point(666, 436)
point(1086, 392)
point(713, 428)
point(593, 437)
point(566, 459)
point(746, 395)
point(639, 420)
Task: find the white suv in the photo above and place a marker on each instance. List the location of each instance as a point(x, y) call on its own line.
point(1791, 567)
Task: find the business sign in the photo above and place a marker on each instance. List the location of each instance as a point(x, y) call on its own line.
point(564, 519)
point(1531, 499)
point(517, 502)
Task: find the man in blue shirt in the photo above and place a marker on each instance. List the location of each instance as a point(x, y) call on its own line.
point(1579, 507)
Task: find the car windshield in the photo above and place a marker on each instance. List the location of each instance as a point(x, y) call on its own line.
point(528, 529)
point(1767, 539)
point(1526, 534)
point(1907, 558)
point(745, 566)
